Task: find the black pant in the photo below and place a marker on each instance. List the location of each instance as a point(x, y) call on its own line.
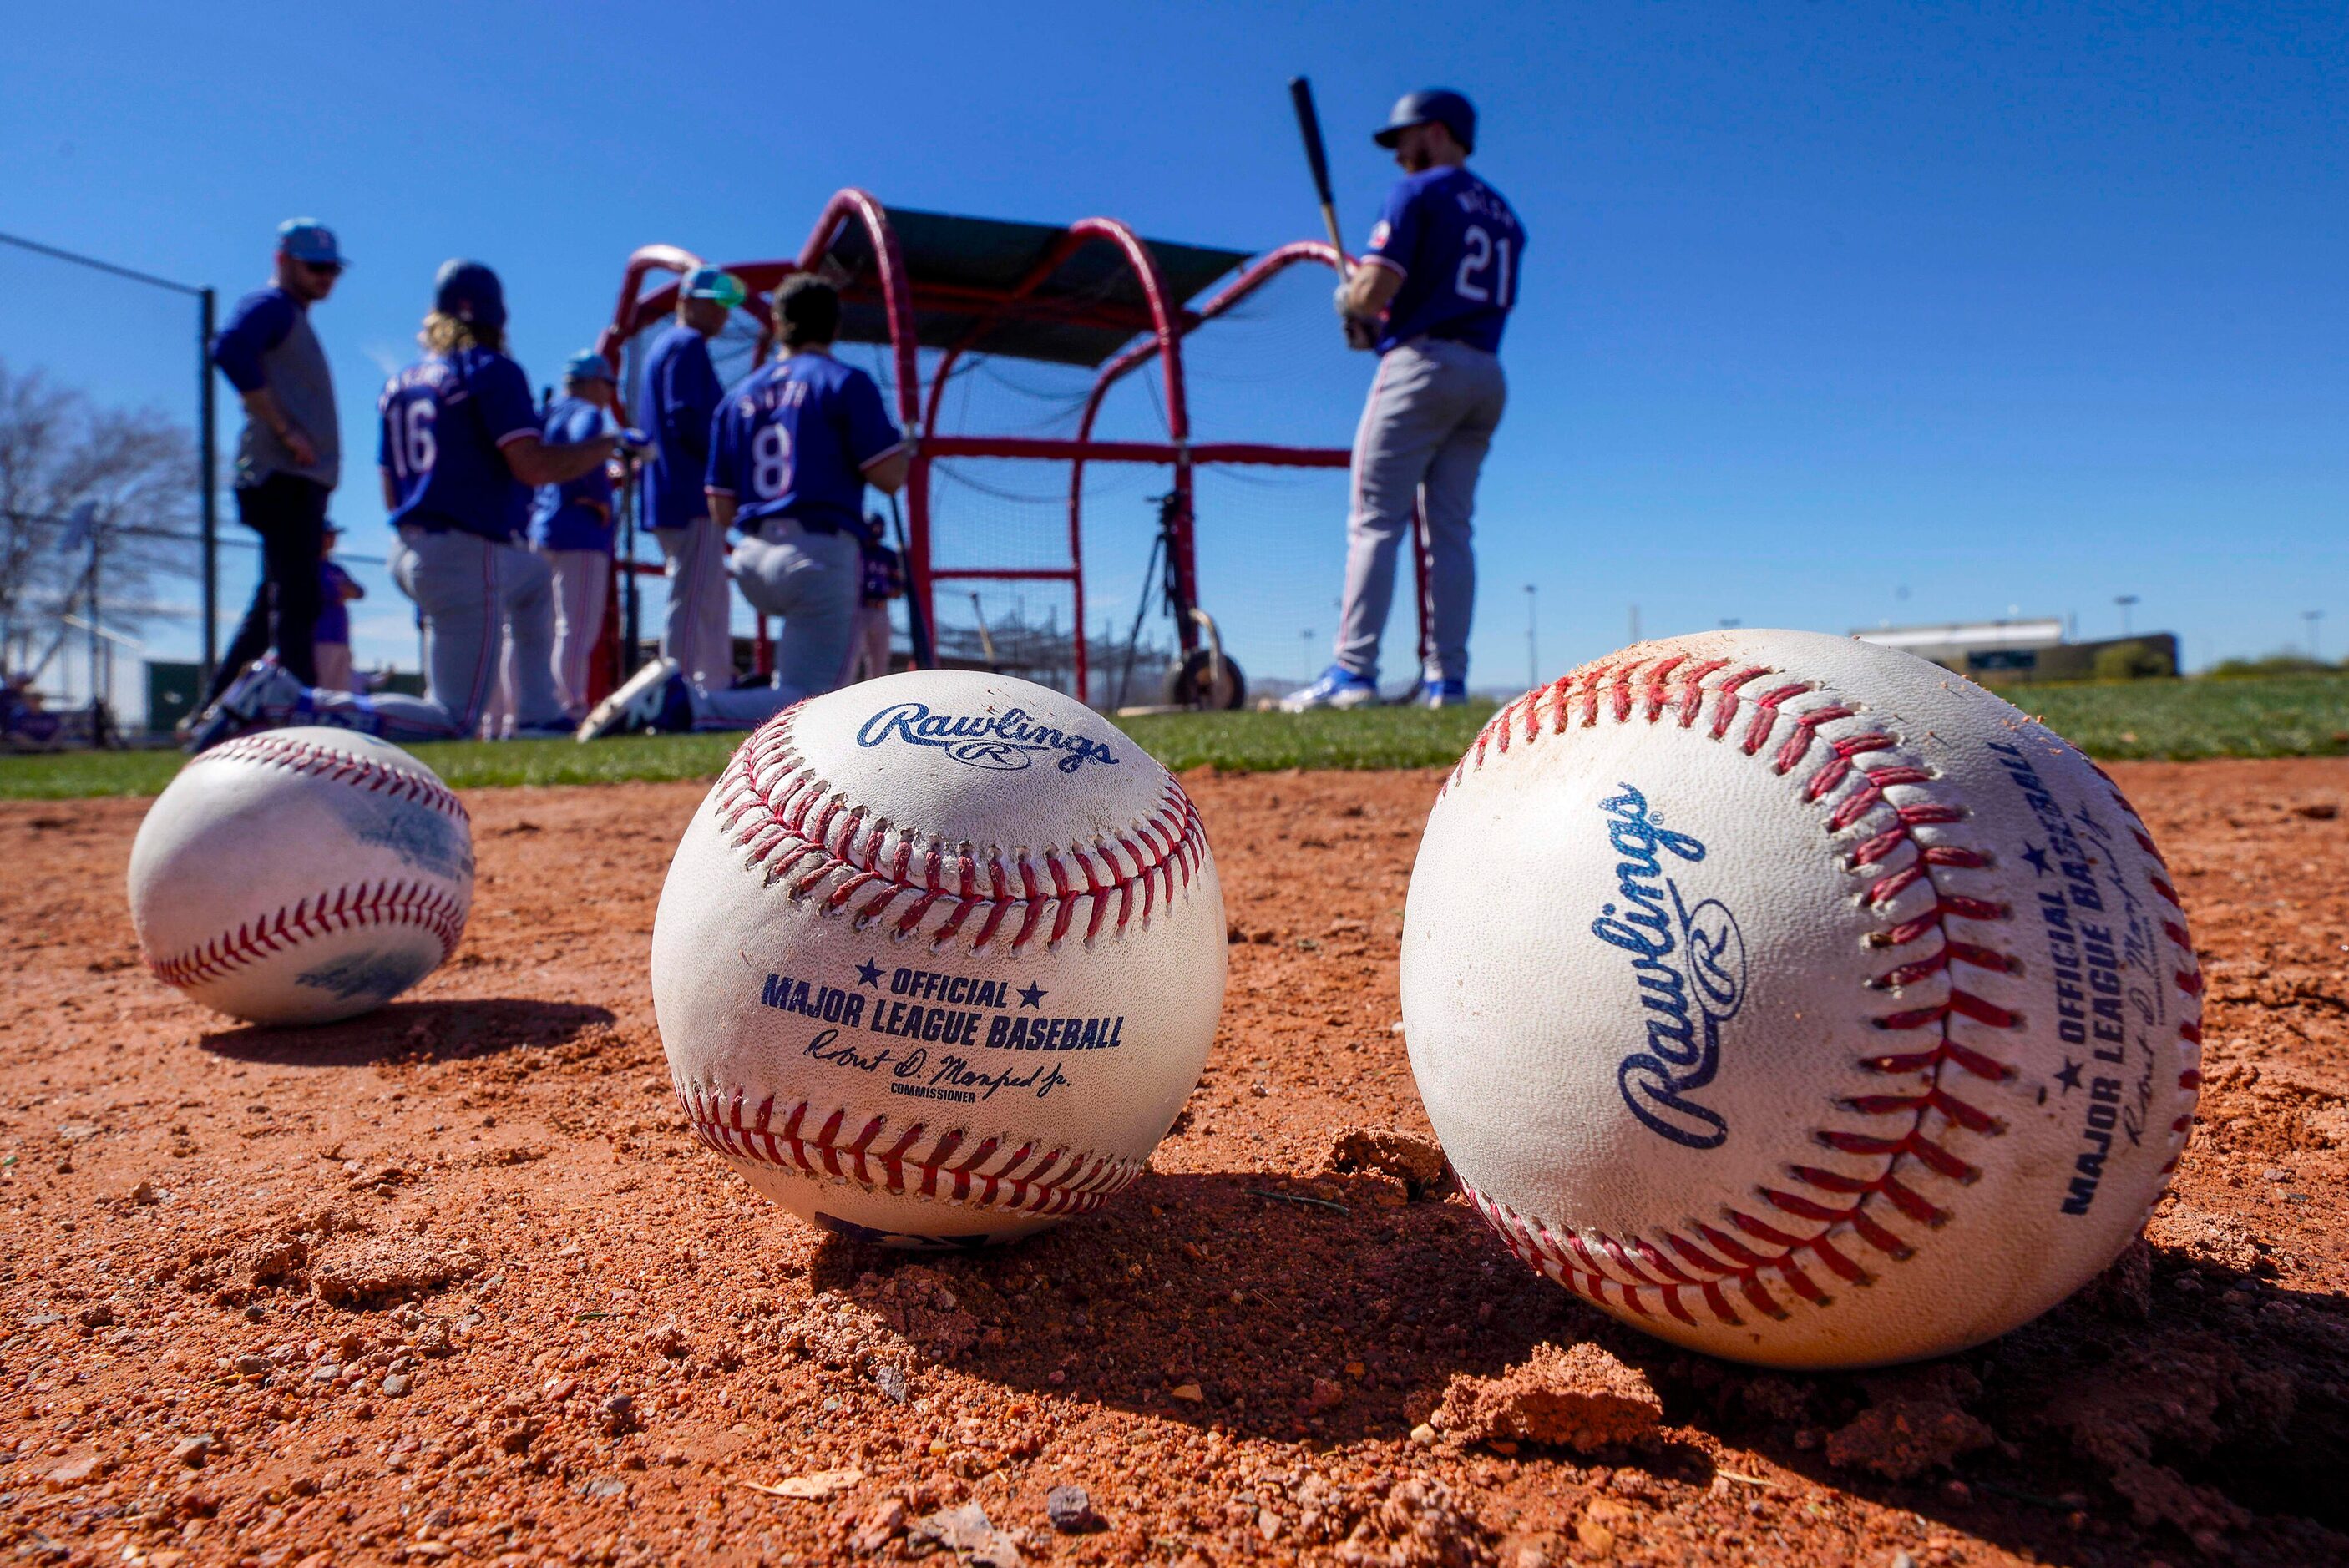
point(290, 515)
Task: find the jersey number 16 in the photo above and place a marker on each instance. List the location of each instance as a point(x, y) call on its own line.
point(412, 445)
point(1482, 254)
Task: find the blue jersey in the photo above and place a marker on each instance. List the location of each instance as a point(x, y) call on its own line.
point(793, 440)
point(442, 424)
point(1459, 248)
point(680, 395)
point(336, 590)
point(577, 514)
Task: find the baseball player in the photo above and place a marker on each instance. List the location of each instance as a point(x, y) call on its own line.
point(679, 397)
point(571, 527)
point(794, 447)
point(884, 581)
point(1431, 293)
point(290, 457)
point(337, 589)
point(460, 445)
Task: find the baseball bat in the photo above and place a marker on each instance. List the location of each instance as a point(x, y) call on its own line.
point(1308, 126)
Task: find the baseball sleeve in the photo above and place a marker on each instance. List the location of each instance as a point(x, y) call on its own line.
point(502, 393)
point(1394, 238)
point(725, 441)
point(384, 434)
point(871, 434)
point(258, 324)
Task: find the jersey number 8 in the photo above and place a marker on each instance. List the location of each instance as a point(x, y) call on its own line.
point(412, 445)
point(1481, 253)
point(771, 462)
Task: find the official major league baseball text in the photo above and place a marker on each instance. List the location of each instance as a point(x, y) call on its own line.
point(938, 959)
point(1887, 1025)
point(299, 876)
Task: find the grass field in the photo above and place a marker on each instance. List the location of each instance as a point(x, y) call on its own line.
point(2285, 716)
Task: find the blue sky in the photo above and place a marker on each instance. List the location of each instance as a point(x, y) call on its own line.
point(1832, 314)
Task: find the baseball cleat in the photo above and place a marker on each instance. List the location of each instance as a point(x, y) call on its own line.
point(264, 698)
point(560, 729)
point(654, 697)
point(1338, 687)
point(1443, 694)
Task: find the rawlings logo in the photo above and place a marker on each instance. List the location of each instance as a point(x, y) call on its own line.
point(1001, 743)
point(1690, 963)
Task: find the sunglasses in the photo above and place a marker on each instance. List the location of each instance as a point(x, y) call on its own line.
point(324, 269)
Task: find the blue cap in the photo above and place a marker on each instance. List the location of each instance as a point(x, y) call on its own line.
point(587, 366)
point(308, 239)
point(470, 292)
point(714, 283)
point(1430, 105)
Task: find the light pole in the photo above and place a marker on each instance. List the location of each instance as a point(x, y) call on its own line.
point(2125, 601)
point(2311, 617)
point(208, 449)
point(1533, 649)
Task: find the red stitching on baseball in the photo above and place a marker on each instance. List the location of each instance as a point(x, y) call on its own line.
point(1028, 1178)
point(1712, 1263)
point(275, 750)
point(389, 903)
point(768, 792)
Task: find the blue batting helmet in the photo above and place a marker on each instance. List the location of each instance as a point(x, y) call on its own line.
point(471, 293)
point(1437, 106)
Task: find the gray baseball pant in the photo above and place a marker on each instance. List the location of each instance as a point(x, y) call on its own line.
point(813, 581)
point(582, 585)
point(1430, 419)
point(473, 594)
point(868, 649)
point(698, 635)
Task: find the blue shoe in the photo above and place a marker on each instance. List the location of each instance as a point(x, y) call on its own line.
point(264, 698)
point(1338, 687)
point(656, 697)
point(1443, 694)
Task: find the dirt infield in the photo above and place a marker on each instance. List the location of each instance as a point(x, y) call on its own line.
point(451, 1283)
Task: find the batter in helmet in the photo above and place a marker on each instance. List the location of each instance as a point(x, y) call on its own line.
point(1431, 293)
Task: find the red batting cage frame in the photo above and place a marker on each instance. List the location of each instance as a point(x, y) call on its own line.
point(1018, 291)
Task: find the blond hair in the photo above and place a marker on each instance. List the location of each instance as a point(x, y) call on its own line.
point(444, 333)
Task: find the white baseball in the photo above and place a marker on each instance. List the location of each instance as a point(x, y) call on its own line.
point(940, 959)
point(299, 876)
point(1796, 1000)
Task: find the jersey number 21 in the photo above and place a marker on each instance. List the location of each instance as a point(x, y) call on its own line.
point(1482, 254)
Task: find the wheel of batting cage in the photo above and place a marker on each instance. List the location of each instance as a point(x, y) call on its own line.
point(1192, 683)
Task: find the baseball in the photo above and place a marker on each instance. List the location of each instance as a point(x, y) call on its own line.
point(300, 876)
point(940, 959)
point(1798, 1001)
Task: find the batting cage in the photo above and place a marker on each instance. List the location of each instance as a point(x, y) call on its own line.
point(1069, 517)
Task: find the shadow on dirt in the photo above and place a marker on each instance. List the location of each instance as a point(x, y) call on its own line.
point(2168, 1407)
point(414, 1032)
point(1268, 1307)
